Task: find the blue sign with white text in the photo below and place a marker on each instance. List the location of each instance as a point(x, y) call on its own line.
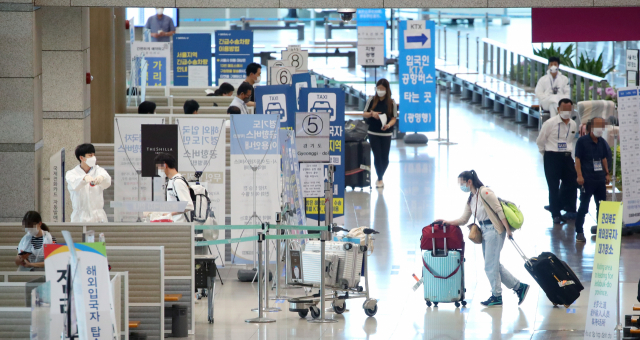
point(277, 99)
point(234, 52)
point(328, 100)
point(417, 76)
point(193, 49)
point(156, 71)
point(254, 134)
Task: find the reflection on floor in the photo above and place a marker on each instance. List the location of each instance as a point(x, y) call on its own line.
point(420, 186)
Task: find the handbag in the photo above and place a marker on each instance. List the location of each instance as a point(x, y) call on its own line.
point(475, 234)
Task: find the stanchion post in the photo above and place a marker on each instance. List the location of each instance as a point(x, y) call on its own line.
point(439, 43)
point(467, 50)
point(265, 227)
point(444, 31)
point(276, 277)
point(486, 20)
point(439, 91)
point(458, 48)
point(448, 142)
point(260, 318)
point(477, 54)
point(324, 236)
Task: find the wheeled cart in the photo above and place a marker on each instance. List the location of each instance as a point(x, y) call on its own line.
point(205, 276)
point(337, 293)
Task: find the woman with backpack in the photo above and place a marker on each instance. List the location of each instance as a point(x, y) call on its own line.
point(380, 113)
point(485, 206)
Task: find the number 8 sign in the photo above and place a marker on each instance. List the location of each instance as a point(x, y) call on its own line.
point(282, 75)
point(298, 59)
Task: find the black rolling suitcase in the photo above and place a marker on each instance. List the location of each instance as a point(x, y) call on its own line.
point(358, 164)
point(554, 276)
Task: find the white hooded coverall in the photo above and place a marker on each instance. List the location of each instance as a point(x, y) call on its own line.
point(550, 91)
point(87, 200)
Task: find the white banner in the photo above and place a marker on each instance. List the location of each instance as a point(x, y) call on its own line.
point(56, 181)
point(628, 113)
point(203, 149)
point(127, 141)
point(371, 45)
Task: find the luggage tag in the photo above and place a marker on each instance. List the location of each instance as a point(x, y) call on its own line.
point(418, 284)
point(597, 165)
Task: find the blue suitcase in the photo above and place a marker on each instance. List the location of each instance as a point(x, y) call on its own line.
point(443, 277)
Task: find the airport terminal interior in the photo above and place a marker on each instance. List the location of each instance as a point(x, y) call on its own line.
point(466, 97)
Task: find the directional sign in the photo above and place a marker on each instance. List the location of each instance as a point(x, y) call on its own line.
point(416, 35)
point(312, 137)
point(282, 75)
point(371, 45)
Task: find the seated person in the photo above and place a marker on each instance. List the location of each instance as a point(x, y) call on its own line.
point(31, 248)
point(552, 87)
point(244, 96)
point(233, 110)
point(191, 107)
point(224, 90)
point(147, 108)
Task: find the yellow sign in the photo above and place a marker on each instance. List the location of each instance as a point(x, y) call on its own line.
point(312, 206)
point(603, 296)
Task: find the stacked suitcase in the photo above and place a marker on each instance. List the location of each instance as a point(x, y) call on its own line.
point(343, 258)
point(358, 164)
point(443, 269)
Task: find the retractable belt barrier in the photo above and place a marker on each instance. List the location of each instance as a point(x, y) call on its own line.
point(265, 227)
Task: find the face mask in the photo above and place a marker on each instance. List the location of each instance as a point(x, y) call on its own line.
point(464, 188)
point(597, 132)
point(31, 231)
point(553, 69)
point(258, 79)
point(381, 93)
point(246, 100)
point(159, 11)
point(91, 161)
point(565, 114)
point(161, 173)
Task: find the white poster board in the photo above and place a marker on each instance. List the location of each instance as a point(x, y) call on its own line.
point(312, 137)
point(198, 76)
point(56, 181)
point(127, 141)
point(312, 179)
point(275, 63)
point(202, 148)
point(629, 117)
point(297, 58)
point(371, 45)
point(281, 75)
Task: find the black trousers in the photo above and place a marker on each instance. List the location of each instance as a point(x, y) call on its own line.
point(597, 189)
point(559, 166)
point(380, 146)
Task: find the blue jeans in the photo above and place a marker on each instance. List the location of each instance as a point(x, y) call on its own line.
point(492, 243)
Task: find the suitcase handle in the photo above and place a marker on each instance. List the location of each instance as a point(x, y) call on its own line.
point(433, 240)
point(524, 257)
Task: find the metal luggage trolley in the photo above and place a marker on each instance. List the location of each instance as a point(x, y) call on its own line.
point(336, 294)
point(205, 278)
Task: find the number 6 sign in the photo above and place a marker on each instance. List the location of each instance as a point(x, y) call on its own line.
point(282, 75)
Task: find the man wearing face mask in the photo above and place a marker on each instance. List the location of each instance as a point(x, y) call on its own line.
point(555, 142)
point(86, 183)
point(245, 91)
point(177, 187)
point(161, 26)
point(593, 157)
point(253, 78)
point(552, 87)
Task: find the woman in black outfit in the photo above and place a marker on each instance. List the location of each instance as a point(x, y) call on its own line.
point(224, 90)
point(380, 113)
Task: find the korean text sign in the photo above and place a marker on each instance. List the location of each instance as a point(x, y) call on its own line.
point(278, 100)
point(192, 49)
point(234, 52)
point(318, 100)
point(417, 76)
point(603, 295)
point(628, 113)
point(157, 55)
point(254, 145)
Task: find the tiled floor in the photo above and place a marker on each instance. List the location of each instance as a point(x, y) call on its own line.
point(420, 187)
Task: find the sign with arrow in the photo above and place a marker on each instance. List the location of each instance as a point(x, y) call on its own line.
point(417, 35)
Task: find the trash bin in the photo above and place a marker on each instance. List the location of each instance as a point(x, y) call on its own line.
point(137, 336)
point(179, 321)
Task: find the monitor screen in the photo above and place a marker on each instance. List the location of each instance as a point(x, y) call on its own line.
point(140, 15)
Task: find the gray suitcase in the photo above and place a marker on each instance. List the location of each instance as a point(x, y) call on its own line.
point(312, 269)
point(351, 257)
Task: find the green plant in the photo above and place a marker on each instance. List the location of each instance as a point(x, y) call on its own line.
point(618, 169)
point(565, 56)
point(593, 66)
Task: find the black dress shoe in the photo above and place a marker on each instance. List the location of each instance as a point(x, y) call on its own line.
point(558, 220)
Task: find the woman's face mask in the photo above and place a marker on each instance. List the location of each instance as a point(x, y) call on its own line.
point(464, 187)
point(381, 93)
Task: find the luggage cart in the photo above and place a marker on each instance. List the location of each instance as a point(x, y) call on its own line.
point(205, 278)
point(336, 295)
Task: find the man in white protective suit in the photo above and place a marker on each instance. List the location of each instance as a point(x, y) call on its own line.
point(552, 87)
point(86, 183)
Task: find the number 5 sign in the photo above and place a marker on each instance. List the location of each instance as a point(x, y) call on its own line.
point(312, 137)
point(282, 75)
point(298, 59)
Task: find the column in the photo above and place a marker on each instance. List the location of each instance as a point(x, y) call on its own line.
point(103, 88)
point(20, 109)
point(66, 96)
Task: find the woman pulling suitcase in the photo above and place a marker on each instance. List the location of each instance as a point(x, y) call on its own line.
point(486, 208)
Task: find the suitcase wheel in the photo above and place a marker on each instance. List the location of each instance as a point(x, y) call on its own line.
point(457, 304)
point(435, 304)
point(428, 303)
point(464, 303)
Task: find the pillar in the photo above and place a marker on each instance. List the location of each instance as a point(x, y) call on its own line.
point(66, 102)
point(20, 110)
point(103, 85)
point(120, 69)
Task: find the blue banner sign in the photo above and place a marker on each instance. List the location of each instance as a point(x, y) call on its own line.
point(192, 49)
point(234, 52)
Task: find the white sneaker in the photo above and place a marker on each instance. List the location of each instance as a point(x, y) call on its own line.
point(379, 184)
